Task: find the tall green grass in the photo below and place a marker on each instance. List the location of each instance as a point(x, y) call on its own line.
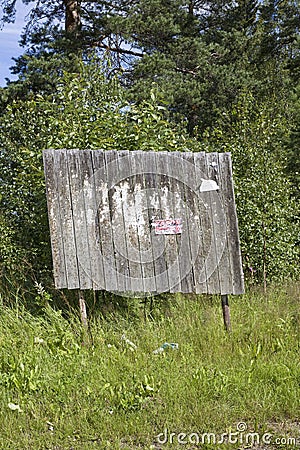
point(58, 393)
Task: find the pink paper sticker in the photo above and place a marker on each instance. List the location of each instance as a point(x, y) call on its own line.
point(167, 226)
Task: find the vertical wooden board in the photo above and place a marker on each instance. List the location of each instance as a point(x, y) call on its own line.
point(220, 174)
point(201, 264)
point(194, 215)
point(144, 220)
point(93, 193)
point(103, 221)
point(122, 244)
point(115, 193)
point(57, 245)
point(181, 210)
point(131, 214)
point(115, 197)
point(234, 252)
point(95, 258)
point(152, 180)
point(220, 228)
point(211, 198)
point(167, 211)
point(66, 215)
point(122, 192)
point(77, 170)
point(205, 204)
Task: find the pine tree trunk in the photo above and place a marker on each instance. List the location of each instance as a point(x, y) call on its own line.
point(72, 21)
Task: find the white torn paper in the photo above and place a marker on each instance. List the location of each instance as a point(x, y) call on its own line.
point(208, 185)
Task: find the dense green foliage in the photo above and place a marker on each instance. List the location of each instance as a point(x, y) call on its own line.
point(57, 393)
point(202, 55)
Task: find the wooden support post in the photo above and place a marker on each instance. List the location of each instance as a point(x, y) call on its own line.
point(226, 312)
point(82, 307)
point(83, 317)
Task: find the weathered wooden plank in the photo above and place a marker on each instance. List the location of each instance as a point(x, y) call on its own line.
point(194, 216)
point(201, 273)
point(95, 263)
point(154, 209)
point(122, 206)
point(234, 253)
point(116, 192)
point(181, 206)
point(56, 232)
point(220, 229)
point(116, 217)
point(206, 225)
point(122, 188)
point(196, 212)
point(66, 215)
point(211, 197)
point(77, 170)
point(210, 274)
point(103, 220)
point(221, 177)
point(171, 250)
point(143, 161)
point(131, 217)
point(91, 185)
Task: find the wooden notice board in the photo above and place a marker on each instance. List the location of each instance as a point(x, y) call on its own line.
point(143, 222)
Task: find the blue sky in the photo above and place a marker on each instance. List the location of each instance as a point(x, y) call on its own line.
point(9, 47)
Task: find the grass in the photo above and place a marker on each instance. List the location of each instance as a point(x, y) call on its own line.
point(59, 394)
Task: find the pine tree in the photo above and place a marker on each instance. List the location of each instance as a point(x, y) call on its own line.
point(201, 55)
